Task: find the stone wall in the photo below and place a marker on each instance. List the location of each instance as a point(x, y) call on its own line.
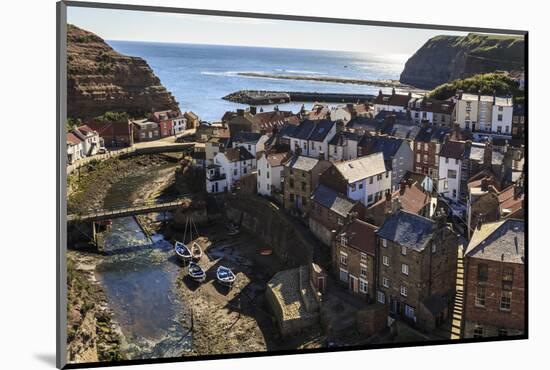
point(263, 219)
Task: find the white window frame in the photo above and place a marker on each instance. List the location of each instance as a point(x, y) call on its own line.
point(363, 267)
point(403, 250)
point(405, 269)
point(385, 282)
point(385, 260)
point(363, 283)
point(381, 297)
point(403, 291)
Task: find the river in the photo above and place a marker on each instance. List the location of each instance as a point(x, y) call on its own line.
point(139, 276)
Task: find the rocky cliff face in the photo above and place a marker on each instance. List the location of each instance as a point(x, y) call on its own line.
point(446, 58)
point(99, 79)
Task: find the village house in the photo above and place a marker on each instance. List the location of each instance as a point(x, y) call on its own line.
point(204, 132)
point(410, 197)
point(74, 148)
point(91, 141)
point(310, 138)
point(213, 146)
point(426, 148)
point(198, 157)
point(301, 177)
point(228, 168)
point(330, 211)
point(518, 122)
point(145, 130)
point(483, 113)
point(416, 259)
point(494, 304)
point(343, 146)
point(243, 121)
point(114, 134)
point(318, 112)
point(354, 258)
point(274, 120)
point(437, 112)
point(346, 112)
point(391, 102)
point(252, 141)
point(451, 156)
point(269, 171)
point(170, 122)
point(423, 181)
point(191, 120)
point(364, 125)
point(397, 153)
point(365, 179)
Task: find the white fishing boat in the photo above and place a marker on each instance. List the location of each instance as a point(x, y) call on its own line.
point(196, 272)
point(182, 251)
point(225, 276)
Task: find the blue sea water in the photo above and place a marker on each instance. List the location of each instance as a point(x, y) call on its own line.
point(200, 75)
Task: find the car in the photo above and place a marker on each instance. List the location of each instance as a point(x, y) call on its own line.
point(102, 151)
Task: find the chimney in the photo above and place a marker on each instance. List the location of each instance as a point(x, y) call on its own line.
point(240, 112)
point(517, 191)
point(484, 184)
point(253, 111)
point(494, 96)
point(479, 221)
point(388, 203)
point(321, 155)
point(393, 91)
point(396, 205)
point(478, 95)
point(409, 95)
point(380, 92)
point(459, 94)
point(488, 155)
point(402, 186)
point(340, 125)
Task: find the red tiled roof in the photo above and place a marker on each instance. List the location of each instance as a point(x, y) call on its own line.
point(413, 199)
point(453, 149)
point(73, 139)
point(392, 99)
point(507, 200)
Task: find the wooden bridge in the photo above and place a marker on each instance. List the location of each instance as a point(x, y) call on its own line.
point(124, 211)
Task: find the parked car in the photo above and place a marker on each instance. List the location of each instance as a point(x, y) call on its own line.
point(102, 151)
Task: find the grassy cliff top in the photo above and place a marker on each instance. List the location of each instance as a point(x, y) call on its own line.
point(486, 84)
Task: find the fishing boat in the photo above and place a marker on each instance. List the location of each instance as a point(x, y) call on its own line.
point(182, 251)
point(196, 251)
point(225, 276)
point(196, 272)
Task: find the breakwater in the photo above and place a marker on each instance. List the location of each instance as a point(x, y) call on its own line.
point(259, 97)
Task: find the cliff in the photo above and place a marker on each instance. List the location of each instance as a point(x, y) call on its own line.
point(99, 79)
point(445, 58)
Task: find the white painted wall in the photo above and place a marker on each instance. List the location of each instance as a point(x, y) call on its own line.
point(449, 187)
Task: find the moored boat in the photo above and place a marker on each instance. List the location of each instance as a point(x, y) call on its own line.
point(182, 251)
point(196, 272)
point(225, 276)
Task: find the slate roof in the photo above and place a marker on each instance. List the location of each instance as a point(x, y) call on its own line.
point(402, 131)
point(388, 146)
point(342, 137)
point(386, 114)
point(499, 241)
point(332, 200)
point(302, 163)
point(311, 130)
point(361, 168)
point(433, 105)
point(435, 134)
point(453, 149)
point(392, 99)
point(238, 154)
point(364, 124)
point(245, 137)
point(408, 230)
point(361, 235)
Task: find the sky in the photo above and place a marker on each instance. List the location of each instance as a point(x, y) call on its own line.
point(201, 29)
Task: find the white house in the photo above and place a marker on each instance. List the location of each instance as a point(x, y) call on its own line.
point(179, 123)
point(391, 102)
point(451, 157)
point(484, 113)
point(311, 137)
point(91, 141)
point(366, 178)
point(502, 116)
point(253, 142)
point(213, 146)
point(74, 148)
point(269, 171)
point(228, 167)
point(343, 146)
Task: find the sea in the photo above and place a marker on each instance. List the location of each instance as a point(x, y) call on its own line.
point(200, 75)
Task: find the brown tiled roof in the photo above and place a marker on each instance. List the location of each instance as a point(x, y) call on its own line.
point(113, 128)
point(269, 120)
point(453, 149)
point(85, 129)
point(435, 106)
point(361, 236)
point(318, 112)
point(392, 99)
point(508, 201)
point(73, 139)
point(277, 159)
point(413, 198)
point(238, 154)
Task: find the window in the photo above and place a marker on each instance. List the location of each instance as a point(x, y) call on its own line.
point(478, 331)
point(235, 172)
point(446, 160)
point(405, 269)
point(303, 186)
point(500, 108)
point(244, 170)
point(384, 243)
point(360, 185)
point(291, 183)
point(451, 174)
point(502, 332)
point(387, 174)
point(454, 193)
point(434, 246)
point(499, 117)
point(409, 312)
point(425, 147)
point(385, 260)
point(363, 286)
point(506, 300)
point(456, 161)
point(378, 177)
point(343, 259)
point(425, 158)
point(418, 145)
point(482, 272)
point(499, 129)
point(364, 258)
point(381, 297)
point(403, 290)
point(363, 270)
point(480, 296)
point(403, 250)
point(292, 197)
point(507, 278)
point(371, 179)
point(344, 275)
point(369, 199)
point(352, 186)
point(418, 157)
point(385, 282)
point(267, 174)
point(445, 185)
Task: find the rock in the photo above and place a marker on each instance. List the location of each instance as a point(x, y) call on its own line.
point(99, 79)
point(445, 58)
